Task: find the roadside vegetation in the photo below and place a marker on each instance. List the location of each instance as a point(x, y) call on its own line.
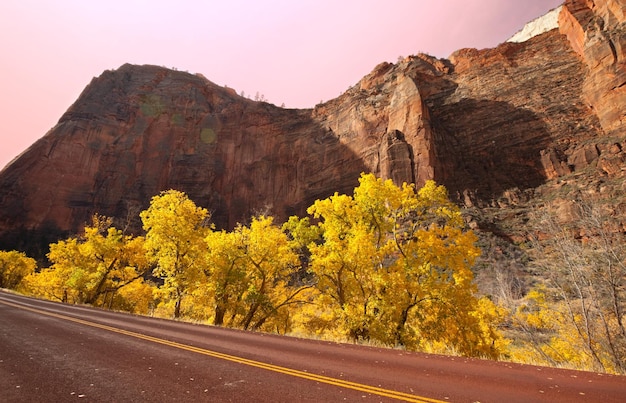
point(390, 266)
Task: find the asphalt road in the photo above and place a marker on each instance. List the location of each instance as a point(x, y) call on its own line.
point(51, 352)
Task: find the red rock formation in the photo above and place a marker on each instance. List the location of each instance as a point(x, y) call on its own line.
point(595, 29)
point(490, 125)
point(139, 130)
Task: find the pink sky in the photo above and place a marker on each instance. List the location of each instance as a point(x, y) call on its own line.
point(296, 52)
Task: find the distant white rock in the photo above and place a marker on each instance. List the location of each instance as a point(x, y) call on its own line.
point(538, 26)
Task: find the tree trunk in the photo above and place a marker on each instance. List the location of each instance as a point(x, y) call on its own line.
point(179, 299)
point(404, 316)
point(220, 312)
point(248, 319)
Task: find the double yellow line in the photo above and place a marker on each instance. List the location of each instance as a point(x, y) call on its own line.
point(258, 364)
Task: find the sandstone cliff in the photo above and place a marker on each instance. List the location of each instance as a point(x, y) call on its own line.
point(141, 129)
point(500, 127)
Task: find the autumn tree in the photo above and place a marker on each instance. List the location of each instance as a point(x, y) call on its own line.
point(250, 272)
point(270, 262)
point(50, 284)
point(175, 229)
point(343, 265)
point(14, 266)
point(395, 266)
point(93, 267)
point(227, 274)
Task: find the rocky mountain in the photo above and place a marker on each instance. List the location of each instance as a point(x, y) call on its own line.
point(504, 129)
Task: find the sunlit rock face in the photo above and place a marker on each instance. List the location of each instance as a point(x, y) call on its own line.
point(489, 124)
point(596, 32)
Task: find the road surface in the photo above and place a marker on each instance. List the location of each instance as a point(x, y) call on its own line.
point(51, 352)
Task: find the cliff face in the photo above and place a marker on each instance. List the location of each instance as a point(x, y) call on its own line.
point(595, 29)
point(492, 125)
point(141, 129)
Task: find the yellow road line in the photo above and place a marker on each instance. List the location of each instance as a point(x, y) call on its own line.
point(258, 364)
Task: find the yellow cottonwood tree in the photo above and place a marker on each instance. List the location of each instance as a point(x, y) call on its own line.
point(47, 284)
point(270, 261)
point(227, 275)
point(395, 266)
point(93, 267)
point(249, 273)
point(175, 228)
point(343, 265)
point(14, 266)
